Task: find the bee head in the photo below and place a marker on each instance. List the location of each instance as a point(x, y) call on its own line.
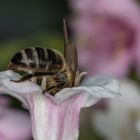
point(12, 67)
point(16, 62)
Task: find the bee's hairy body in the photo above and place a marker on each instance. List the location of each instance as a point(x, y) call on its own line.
point(39, 59)
point(49, 68)
point(43, 60)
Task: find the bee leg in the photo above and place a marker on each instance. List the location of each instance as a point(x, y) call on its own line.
point(43, 73)
point(30, 75)
point(24, 78)
point(54, 89)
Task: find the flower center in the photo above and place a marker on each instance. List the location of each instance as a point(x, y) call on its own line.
point(103, 36)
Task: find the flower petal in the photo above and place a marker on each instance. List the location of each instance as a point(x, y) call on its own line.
point(94, 88)
point(98, 26)
point(22, 87)
point(103, 86)
point(9, 75)
point(122, 114)
point(55, 122)
point(25, 87)
point(17, 90)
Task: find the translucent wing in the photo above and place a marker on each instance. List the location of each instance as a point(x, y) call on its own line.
point(70, 53)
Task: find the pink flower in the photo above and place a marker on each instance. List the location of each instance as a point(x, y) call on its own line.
point(4, 102)
point(122, 118)
point(108, 35)
point(14, 124)
point(57, 117)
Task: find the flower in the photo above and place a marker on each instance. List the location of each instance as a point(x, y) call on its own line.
point(122, 118)
point(4, 102)
point(14, 124)
point(107, 34)
point(57, 117)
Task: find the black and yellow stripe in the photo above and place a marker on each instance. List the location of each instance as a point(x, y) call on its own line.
point(37, 58)
point(39, 61)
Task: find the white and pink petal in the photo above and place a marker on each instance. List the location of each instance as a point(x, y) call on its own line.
point(92, 89)
point(57, 117)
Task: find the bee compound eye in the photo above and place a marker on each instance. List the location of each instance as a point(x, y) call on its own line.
point(12, 67)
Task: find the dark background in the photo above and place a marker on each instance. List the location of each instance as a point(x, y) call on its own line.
point(20, 19)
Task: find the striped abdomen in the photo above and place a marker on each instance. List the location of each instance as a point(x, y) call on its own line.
point(42, 81)
point(52, 84)
point(39, 59)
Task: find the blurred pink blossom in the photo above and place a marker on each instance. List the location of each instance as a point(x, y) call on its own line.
point(107, 34)
point(121, 121)
point(14, 124)
point(4, 101)
point(57, 117)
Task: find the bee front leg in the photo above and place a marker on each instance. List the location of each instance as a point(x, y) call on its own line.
point(30, 75)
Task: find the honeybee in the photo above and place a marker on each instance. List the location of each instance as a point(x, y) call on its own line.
point(49, 68)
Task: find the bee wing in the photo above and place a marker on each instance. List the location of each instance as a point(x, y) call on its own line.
point(70, 53)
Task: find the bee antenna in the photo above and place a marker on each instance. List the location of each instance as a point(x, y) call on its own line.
point(66, 40)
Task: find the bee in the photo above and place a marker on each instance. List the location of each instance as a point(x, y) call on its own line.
point(49, 68)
